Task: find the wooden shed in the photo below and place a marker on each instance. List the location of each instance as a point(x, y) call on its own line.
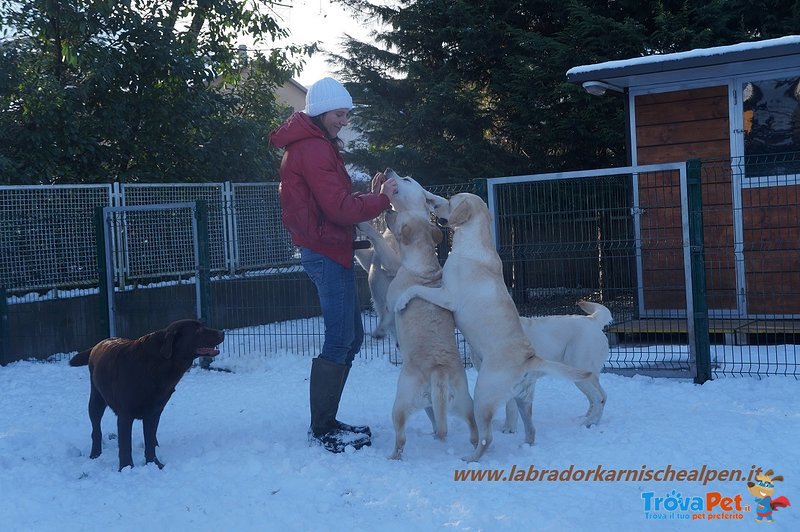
point(737, 108)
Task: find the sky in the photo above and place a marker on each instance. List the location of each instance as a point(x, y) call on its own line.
point(324, 21)
point(237, 458)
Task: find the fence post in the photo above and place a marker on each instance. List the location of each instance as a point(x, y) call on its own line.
point(229, 226)
point(102, 270)
point(5, 357)
point(699, 310)
point(203, 272)
point(204, 267)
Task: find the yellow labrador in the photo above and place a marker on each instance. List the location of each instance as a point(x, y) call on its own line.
point(432, 376)
point(382, 260)
point(474, 290)
point(575, 340)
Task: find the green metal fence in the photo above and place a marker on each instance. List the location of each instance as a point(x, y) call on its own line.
point(699, 266)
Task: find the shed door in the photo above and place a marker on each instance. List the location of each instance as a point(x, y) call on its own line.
point(676, 126)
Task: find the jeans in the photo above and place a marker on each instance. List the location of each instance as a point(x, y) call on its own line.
point(341, 313)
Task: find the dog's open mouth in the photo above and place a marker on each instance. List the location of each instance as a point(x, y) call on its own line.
point(207, 351)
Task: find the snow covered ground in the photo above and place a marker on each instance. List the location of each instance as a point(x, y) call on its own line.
point(236, 456)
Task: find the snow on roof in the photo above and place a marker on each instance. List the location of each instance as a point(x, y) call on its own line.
point(682, 56)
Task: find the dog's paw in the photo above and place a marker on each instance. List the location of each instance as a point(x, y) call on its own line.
point(402, 301)
point(478, 452)
point(589, 422)
point(155, 461)
point(368, 229)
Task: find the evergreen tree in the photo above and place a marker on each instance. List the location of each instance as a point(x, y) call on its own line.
point(459, 89)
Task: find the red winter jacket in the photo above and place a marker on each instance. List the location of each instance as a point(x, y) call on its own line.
point(319, 208)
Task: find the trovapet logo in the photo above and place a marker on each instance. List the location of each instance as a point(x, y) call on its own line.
point(717, 506)
point(710, 506)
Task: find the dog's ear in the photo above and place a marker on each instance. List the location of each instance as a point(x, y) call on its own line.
point(460, 213)
point(391, 220)
point(167, 342)
point(433, 201)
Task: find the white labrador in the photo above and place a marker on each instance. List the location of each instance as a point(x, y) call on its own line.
point(474, 290)
point(432, 376)
point(381, 262)
point(575, 340)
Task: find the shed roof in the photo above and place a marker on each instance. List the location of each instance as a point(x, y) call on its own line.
point(732, 60)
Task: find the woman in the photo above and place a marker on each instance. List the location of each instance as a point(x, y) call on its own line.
point(319, 209)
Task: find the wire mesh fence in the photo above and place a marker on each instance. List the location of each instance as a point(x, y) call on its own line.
point(257, 233)
point(623, 239)
point(756, 272)
point(606, 237)
point(614, 237)
point(213, 194)
point(145, 238)
point(47, 238)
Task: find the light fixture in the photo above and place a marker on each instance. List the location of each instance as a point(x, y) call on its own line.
point(599, 88)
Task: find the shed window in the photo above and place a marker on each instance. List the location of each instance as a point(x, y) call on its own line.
point(771, 127)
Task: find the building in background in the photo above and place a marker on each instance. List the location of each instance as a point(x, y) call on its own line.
point(292, 94)
point(737, 109)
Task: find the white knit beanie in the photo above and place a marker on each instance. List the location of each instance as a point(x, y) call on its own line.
point(326, 95)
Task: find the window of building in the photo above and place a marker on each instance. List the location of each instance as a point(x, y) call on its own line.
point(771, 127)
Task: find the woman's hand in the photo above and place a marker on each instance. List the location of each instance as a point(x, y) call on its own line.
point(378, 180)
point(389, 188)
point(381, 185)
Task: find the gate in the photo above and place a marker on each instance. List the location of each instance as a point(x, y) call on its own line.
point(149, 255)
point(619, 237)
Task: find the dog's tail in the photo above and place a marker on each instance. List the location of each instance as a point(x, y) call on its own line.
point(597, 313)
point(540, 365)
point(81, 359)
point(439, 392)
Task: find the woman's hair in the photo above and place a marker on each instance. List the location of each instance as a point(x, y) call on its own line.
point(317, 120)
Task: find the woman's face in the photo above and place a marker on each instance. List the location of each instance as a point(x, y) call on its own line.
point(334, 121)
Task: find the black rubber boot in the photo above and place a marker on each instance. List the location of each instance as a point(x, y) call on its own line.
point(326, 384)
point(358, 429)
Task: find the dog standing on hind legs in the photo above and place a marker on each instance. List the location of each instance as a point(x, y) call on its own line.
point(381, 262)
point(474, 290)
point(432, 375)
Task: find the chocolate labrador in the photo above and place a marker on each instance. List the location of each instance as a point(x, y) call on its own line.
point(136, 378)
